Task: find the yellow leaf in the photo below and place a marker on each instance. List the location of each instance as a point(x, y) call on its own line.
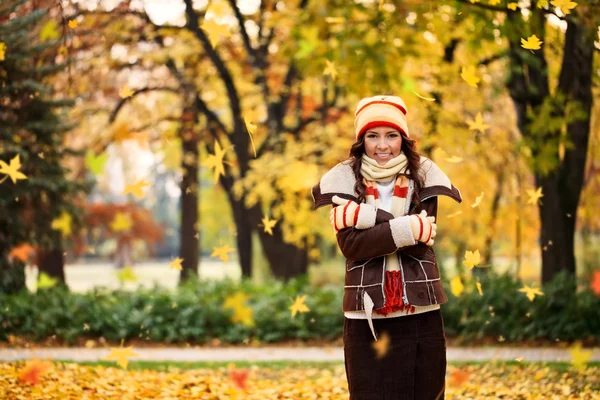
point(330, 69)
point(534, 195)
point(268, 224)
point(244, 315)
point(2, 51)
point(381, 345)
point(176, 264)
point(469, 74)
point(493, 2)
point(215, 31)
point(12, 170)
point(222, 252)
point(532, 43)
point(49, 31)
point(454, 159)
point(454, 214)
point(136, 189)
point(299, 306)
point(122, 355)
point(62, 224)
point(73, 24)
point(216, 161)
point(121, 222)
point(218, 9)
point(478, 284)
point(125, 92)
point(235, 301)
point(251, 129)
point(579, 358)
point(126, 275)
point(46, 281)
point(456, 286)
point(472, 259)
point(565, 5)
point(424, 98)
point(531, 292)
point(478, 124)
point(513, 6)
point(541, 3)
point(477, 200)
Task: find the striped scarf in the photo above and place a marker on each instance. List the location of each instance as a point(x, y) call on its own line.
point(372, 172)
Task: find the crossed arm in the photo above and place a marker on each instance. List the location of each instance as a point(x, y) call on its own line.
point(388, 235)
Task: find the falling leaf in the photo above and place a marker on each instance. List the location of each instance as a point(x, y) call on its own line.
point(330, 69)
point(45, 281)
point(218, 9)
point(126, 92)
point(534, 195)
point(454, 159)
point(73, 24)
point(542, 3)
point(176, 264)
point(94, 162)
point(239, 377)
point(424, 98)
point(478, 124)
point(137, 189)
point(472, 259)
point(268, 224)
point(121, 223)
point(12, 170)
point(477, 200)
point(244, 315)
point(251, 129)
point(456, 286)
point(299, 306)
point(513, 6)
point(519, 359)
point(216, 161)
point(595, 283)
point(382, 345)
point(235, 301)
point(458, 377)
point(222, 251)
point(215, 31)
point(2, 51)
point(565, 5)
point(478, 284)
point(122, 355)
point(454, 214)
point(532, 43)
point(469, 74)
point(126, 274)
point(579, 357)
point(62, 223)
point(49, 31)
point(531, 292)
point(34, 370)
point(22, 252)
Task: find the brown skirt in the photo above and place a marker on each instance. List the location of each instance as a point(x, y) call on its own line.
point(413, 368)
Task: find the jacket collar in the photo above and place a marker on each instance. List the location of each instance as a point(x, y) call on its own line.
point(340, 181)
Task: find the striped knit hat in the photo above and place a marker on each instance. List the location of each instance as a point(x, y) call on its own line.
point(380, 110)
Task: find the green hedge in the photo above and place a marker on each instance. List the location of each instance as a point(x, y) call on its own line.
point(194, 313)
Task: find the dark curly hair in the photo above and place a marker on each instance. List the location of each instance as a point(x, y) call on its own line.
point(408, 147)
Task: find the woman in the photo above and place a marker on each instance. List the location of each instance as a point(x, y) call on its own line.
point(384, 201)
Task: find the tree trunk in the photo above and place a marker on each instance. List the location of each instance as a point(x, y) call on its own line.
point(188, 232)
point(52, 260)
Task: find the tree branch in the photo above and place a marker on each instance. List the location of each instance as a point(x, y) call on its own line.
point(121, 103)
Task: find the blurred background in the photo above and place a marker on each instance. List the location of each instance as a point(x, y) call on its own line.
point(145, 142)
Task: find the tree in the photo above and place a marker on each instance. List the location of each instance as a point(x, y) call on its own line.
point(31, 130)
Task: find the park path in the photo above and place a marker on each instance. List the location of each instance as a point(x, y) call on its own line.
point(454, 354)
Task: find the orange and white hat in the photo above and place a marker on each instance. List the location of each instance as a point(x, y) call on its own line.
point(380, 110)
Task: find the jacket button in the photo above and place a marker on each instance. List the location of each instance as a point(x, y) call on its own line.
point(421, 295)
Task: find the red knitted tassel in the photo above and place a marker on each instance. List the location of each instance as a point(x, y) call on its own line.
point(393, 295)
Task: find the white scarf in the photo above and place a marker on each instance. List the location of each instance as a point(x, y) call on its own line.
point(372, 171)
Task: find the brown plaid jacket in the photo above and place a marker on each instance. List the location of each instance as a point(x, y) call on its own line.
point(365, 249)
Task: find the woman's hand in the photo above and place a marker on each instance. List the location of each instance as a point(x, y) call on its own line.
point(423, 227)
point(351, 214)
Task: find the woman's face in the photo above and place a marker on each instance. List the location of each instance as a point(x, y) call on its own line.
point(383, 143)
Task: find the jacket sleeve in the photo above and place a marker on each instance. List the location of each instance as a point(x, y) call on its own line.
point(387, 236)
point(418, 250)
